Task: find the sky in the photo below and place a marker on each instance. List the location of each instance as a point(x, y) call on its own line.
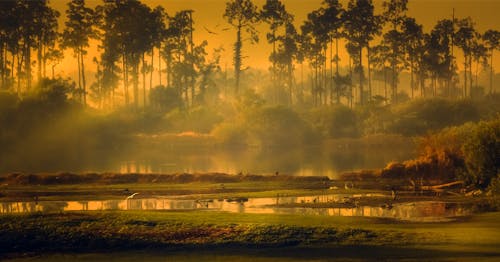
point(208, 16)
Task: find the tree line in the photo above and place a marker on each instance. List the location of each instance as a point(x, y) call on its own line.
point(136, 41)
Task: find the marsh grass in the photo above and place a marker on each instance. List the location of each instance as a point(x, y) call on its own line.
point(98, 231)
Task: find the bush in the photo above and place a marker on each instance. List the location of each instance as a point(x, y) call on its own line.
point(198, 119)
point(494, 186)
point(279, 126)
point(165, 99)
point(424, 115)
point(470, 152)
point(231, 134)
point(482, 153)
point(336, 122)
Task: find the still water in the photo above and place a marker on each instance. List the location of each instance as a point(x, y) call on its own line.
point(164, 158)
point(431, 211)
point(304, 161)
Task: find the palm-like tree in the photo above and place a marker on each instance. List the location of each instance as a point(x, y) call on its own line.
point(332, 17)
point(491, 39)
point(361, 25)
point(463, 38)
point(242, 15)
point(395, 14)
point(414, 46)
point(78, 30)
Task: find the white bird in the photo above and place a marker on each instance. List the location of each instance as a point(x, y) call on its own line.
point(132, 196)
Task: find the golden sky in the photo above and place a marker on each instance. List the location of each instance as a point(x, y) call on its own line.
point(208, 14)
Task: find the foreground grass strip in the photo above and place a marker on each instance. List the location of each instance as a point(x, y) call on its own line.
point(122, 230)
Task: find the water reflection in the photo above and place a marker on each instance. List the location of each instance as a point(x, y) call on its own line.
point(415, 211)
point(300, 161)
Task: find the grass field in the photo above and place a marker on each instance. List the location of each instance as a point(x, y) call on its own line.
point(221, 233)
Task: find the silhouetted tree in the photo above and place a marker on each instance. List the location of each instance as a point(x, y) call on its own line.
point(315, 40)
point(242, 15)
point(463, 38)
point(491, 39)
point(361, 25)
point(8, 41)
point(394, 14)
point(273, 13)
point(381, 60)
point(76, 35)
point(414, 47)
point(332, 17)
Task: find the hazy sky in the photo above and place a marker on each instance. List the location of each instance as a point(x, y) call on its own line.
point(208, 15)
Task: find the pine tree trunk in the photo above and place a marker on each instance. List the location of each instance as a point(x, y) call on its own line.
point(2, 66)
point(237, 59)
point(332, 90)
point(337, 68)
point(39, 60)
point(411, 76)
point(79, 73)
point(361, 101)
point(83, 80)
point(27, 65)
point(125, 79)
point(144, 79)
point(491, 72)
point(369, 73)
point(152, 69)
point(470, 75)
point(465, 75)
point(385, 86)
point(135, 82)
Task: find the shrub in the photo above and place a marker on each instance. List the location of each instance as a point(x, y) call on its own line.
point(423, 115)
point(482, 153)
point(279, 126)
point(231, 134)
point(198, 119)
point(335, 122)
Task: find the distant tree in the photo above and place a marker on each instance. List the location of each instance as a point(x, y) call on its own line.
point(79, 29)
point(131, 38)
point(479, 56)
point(438, 57)
point(315, 40)
point(491, 39)
point(463, 38)
point(273, 13)
point(178, 51)
point(106, 16)
point(361, 25)
point(158, 34)
point(414, 46)
point(381, 60)
point(34, 27)
point(242, 15)
point(284, 53)
point(332, 16)
point(8, 27)
point(394, 14)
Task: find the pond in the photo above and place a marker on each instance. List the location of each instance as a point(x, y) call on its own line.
point(165, 157)
point(299, 161)
point(422, 211)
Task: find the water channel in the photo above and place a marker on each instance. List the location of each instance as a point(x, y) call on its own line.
point(422, 211)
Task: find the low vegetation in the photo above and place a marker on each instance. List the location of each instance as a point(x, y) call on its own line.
point(105, 231)
point(118, 178)
point(469, 153)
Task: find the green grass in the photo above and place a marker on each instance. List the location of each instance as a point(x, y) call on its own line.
point(188, 190)
point(476, 237)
